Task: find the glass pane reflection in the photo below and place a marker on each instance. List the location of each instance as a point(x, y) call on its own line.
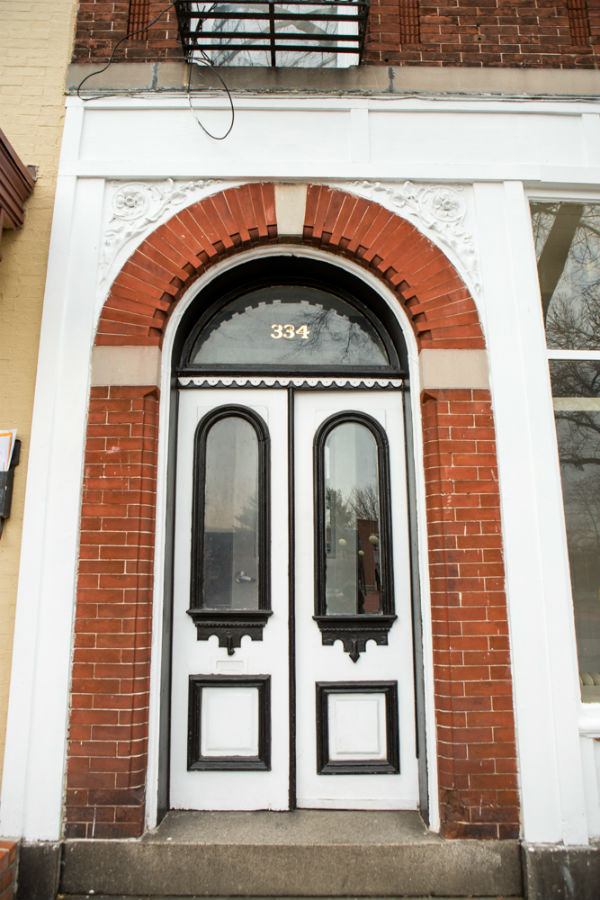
point(234, 48)
point(575, 378)
point(353, 576)
point(230, 556)
point(577, 416)
point(567, 244)
point(292, 325)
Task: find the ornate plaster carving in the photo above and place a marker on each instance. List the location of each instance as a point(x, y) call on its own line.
point(439, 211)
point(136, 208)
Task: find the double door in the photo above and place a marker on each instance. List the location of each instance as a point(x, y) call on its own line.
point(292, 662)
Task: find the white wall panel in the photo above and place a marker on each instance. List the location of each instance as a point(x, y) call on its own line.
point(306, 138)
point(152, 136)
point(478, 138)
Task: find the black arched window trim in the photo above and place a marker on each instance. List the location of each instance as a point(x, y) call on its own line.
point(230, 625)
point(286, 270)
point(353, 630)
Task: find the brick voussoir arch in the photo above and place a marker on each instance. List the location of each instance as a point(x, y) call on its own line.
point(146, 290)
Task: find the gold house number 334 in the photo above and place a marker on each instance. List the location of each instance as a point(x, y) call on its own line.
point(289, 332)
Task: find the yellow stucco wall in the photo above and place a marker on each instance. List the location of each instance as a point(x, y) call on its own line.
point(35, 45)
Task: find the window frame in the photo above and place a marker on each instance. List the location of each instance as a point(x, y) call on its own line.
point(560, 354)
point(230, 625)
point(293, 271)
point(355, 629)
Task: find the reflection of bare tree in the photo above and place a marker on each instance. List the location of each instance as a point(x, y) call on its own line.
point(579, 451)
point(233, 29)
point(361, 505)
point(325, 330)
point(567, 240)
point(247, 519)
point(582, 502)
point(341, 515)
point(575, 378)
point(567, 237)
point(579, 438)
point(578, 432)
point(571, 325)
point(329, 327)
point(365, 503)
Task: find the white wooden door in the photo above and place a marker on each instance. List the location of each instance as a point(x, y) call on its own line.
point(221, 757)
point(352, 737)
point(356, 719)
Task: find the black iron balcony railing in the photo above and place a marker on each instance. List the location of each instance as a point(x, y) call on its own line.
point(259, 32)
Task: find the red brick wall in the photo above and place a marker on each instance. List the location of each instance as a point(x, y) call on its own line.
point(476, 744)
point(107, 749)
point(101, 24)
point(8, 869)
point(522, 33)
point(473, 687)
point(504, 33)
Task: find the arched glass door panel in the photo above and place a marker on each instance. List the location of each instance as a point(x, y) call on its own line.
point(229, 587)
point(354, 582)
point(354, 552)
point(229, 556)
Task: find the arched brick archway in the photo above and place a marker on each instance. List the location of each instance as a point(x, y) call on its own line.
point(147, 288)
point(107, 753)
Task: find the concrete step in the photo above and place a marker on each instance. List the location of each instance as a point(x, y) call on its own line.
point(307, 853)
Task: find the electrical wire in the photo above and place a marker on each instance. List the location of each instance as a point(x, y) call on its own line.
point(202, 61)
point(205, 61)
point(127, 37)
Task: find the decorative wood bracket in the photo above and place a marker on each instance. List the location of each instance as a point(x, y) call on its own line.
point(355, 631)
point(229, 625)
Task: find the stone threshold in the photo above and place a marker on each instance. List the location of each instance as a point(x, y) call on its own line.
point(301, 855)
point(306, 853)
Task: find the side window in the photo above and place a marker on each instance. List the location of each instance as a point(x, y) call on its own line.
point(567, 241)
